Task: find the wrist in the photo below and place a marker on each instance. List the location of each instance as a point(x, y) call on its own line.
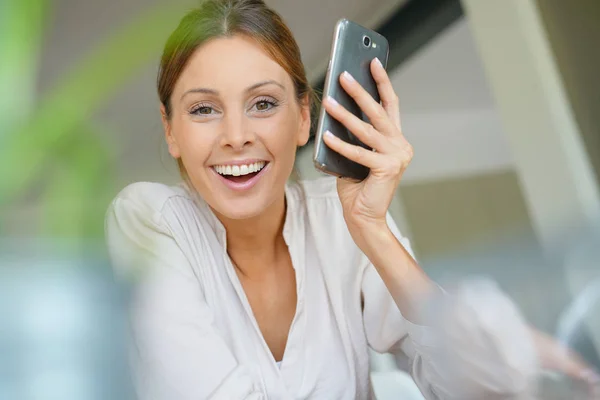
point(375, 237)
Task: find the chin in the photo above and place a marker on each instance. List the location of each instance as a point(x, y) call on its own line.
point(240, 208)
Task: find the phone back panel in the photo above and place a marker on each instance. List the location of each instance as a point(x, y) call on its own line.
point(348, 54)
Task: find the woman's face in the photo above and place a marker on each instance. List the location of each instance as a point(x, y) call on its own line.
point(236, 124)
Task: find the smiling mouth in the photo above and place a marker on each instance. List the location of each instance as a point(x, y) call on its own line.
point(240, 173)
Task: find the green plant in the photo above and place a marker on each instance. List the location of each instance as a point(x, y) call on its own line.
point(49, 144)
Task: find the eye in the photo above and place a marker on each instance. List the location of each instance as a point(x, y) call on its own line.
point(202, 109)
point(264, 105)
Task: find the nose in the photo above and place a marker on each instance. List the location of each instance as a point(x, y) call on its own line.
point(236, 134)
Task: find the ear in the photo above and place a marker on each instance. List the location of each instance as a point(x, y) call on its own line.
point(170, 139)
point(304, 132)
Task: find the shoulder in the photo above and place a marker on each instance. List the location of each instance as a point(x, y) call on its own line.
point(144, 207)
point(319, 200)
point(139, 225)
point(150, 195)
point(316, 194)
point(324, 214)
point(147, 199)
point(319, 189)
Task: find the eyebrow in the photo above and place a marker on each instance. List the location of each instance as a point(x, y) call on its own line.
point(248, 89)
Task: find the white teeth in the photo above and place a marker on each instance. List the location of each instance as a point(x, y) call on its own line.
point(238, 170)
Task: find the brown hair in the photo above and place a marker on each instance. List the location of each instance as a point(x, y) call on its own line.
point(223, 18)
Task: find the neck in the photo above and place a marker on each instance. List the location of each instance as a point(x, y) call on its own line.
point(258, 237)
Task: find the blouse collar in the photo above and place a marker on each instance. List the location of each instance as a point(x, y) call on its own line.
point(219, 229)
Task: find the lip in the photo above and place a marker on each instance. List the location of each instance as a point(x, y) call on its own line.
point(241, 162)
point(242, 186)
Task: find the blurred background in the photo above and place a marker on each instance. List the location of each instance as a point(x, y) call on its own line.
point(500, 99)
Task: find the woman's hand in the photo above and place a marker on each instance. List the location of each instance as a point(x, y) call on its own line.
point(556, 357)
point(365, 203)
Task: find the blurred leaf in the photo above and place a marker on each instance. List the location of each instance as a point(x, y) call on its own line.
point(62, 117)
point(76, 198)
point(21, 25)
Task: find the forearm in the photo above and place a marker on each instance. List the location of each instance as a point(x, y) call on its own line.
point(408, 284)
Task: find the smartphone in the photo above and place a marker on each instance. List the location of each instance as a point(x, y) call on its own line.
point(353, 49)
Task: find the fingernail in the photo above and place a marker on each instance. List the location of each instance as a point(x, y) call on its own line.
point(332, 101)
point(378, 61)
point(346, 75)
point(329, 134)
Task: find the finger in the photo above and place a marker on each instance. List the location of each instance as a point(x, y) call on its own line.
point(372, 109)
point(389, 98)
point(555, 355)
point(358, 154)
point(365, 132)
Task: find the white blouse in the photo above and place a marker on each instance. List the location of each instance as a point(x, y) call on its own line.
point(194, 335)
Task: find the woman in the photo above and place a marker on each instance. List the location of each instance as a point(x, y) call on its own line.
point(246, 287)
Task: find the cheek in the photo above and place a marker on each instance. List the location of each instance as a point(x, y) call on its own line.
point(280, 134)
point(195, 141)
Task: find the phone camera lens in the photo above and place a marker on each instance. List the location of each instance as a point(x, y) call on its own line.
point(367, 41)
